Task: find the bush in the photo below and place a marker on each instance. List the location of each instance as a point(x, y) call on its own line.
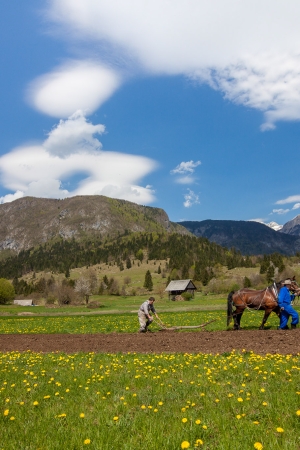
point(7, 292)
point(187, 296)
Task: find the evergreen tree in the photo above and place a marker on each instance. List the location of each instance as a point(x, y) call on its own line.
point(247, 282)
point(148, 283)
point(270, 274)
point(128, 263)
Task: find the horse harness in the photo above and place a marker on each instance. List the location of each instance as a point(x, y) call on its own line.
point(272, 288)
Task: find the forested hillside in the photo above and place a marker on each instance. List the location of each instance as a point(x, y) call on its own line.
point(182, 251)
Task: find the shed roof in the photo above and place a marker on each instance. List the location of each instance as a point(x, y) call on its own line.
point(180, 285)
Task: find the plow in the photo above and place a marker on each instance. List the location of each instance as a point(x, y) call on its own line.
point(163, 327)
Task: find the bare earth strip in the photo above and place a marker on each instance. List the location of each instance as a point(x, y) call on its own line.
point(261, 342)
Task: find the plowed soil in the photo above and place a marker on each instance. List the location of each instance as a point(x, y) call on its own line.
point(261, 342)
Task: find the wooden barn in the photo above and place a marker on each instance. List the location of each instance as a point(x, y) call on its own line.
point(178, 287)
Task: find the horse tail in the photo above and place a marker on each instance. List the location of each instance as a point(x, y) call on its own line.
point(229, 307)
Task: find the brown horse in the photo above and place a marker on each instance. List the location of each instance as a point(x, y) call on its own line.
point(265, 299)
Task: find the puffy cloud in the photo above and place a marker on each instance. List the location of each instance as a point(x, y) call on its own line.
point(296, 206)
point(248, 50)
point(190, 199)
point(185, 167)
point(73, 135)
point(83, 85)
point(44, 170)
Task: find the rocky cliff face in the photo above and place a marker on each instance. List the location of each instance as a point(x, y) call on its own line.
point(292, 227)
point(30, 221)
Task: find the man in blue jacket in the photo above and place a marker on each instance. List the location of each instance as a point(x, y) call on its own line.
point(286, 310)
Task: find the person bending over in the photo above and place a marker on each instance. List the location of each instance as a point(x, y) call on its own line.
point(144, 315)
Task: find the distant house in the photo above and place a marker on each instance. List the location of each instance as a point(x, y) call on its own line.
point(23, 302)
point(177, 287)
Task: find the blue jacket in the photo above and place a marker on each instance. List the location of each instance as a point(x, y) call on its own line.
point(284, 297)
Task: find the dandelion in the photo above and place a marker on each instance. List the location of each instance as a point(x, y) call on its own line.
point(204, 427)
point(240, 399)
point(265, 403)
point(143, 407)
point(116, 418)
point(197, 422)
point(12, 418)
point(238, 416)
point(185, 444)
point(6, 412)
point(258, 446)
point(87, 441)
point(256, 422)
point(35, 403)
point(81, 415)
point(184, 420)
point(279, 430)
point(298, 412)
point(198, 442)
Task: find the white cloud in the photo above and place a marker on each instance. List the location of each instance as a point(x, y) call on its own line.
point(248, 50)
point(280, 211)
point(290, 199)
point(296, 206)
point(186, 180)
point(43, 170)
point(185, 167)
point(73, 135)
point(190, 199)
point(83, 85)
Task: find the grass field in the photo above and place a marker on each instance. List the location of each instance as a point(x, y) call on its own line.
point(130, 401)
point(159, 401)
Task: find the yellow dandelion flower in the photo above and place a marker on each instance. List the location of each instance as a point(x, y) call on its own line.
point(198, 442)
point(265, 403)
point(35, 403)
point(240, 399)
point(256, 422)
point(12, 418)
point(143, 407)
point(279, 430)
point(197, 422)
point(116, 418)
point(81, 415)
point(184, 420)
point(87, 441)
point(258, 446)
point(6, 412)
point(185, 444)
point(238, 416)
point(204, 427)
point(298, 412)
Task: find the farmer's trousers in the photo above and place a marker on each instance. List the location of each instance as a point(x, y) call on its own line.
point(286, 313)
point(144, 321)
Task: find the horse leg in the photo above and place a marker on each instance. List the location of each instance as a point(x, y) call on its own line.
point(237, 318)
point(265, 318)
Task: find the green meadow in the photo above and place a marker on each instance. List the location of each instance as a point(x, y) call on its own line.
point(151, 401)
point(156, 401)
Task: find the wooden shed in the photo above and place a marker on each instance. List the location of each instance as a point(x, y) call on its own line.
point(178, 287)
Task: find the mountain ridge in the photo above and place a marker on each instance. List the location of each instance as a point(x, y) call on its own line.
point(31, 221)
point(249, 237)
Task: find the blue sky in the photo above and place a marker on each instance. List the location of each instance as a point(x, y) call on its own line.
point(192, 106)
